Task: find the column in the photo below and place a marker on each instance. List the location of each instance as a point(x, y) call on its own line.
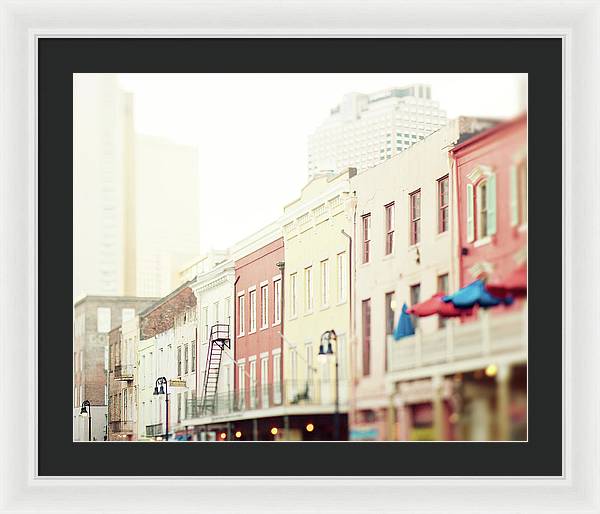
point(438, 407)
point(503, 402)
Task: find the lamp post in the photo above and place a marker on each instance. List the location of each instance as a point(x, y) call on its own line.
point(85, 405)
point(162, 382)
point(324, 354)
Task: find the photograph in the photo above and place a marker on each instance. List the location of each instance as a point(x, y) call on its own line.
point(300, 257)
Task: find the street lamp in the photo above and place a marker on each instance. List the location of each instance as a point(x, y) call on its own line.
point(325, 351)
point(85, 405)
point(162, 382)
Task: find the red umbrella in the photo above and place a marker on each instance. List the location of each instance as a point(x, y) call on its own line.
point(514, 284)
point(435, 305)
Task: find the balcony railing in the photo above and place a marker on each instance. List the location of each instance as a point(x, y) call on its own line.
point(489, 335)
point(155, 430)
point(124, 372)
point(122, 427)
point(289, 392)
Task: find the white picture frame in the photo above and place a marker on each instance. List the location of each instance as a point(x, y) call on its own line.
point(578, 24)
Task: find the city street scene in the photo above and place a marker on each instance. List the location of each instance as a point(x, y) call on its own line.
point(299, 257)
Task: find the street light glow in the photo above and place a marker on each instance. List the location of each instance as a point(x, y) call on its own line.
point(274, 431)
point(310, 427)
point(223, 435)
point(491, 370)
point(238, 434)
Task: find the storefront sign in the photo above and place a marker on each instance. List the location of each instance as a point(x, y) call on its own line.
point(364, 434)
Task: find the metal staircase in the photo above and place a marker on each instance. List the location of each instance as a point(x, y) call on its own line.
point(219, 340)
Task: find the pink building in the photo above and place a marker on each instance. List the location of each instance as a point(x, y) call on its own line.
point(491, 172)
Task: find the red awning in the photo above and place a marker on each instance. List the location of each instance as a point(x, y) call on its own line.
point(435, 305)
point(514, 284)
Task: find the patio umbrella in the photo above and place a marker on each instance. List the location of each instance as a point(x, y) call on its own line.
point(514, 284)
point(475, 294)
point(404, 328)
point(435, 305)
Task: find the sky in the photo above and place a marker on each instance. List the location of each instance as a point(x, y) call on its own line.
point(251, 130)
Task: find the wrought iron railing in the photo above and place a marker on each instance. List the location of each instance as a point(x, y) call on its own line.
point(124, 372)
point(156, 430)
point(121, 426)
point(289, 392)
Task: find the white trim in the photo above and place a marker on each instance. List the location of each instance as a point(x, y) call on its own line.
point(252, 358)
point(251, 288)
point(241, 361)
point(263, 283)
point(576, 23)
point(276, 278)
point(276, 351)
point(264, 355)
point(241, 293)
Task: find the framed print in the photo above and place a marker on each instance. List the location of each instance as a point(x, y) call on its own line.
point(336, 260)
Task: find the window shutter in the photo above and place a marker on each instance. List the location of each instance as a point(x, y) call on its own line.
point(514, 198)
point(491, 205)
point(470, 220)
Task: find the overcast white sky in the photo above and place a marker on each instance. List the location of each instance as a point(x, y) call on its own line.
point(251, 130)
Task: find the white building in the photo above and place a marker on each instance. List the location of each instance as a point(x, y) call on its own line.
point(366, 129)
point(167, 229)
point(135, 197)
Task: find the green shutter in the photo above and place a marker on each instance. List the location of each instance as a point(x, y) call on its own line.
point(470, 220)
point(514, 198)
point(491, 205)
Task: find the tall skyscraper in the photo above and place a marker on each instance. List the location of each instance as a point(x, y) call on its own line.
point(135, 198)
point(366, 129)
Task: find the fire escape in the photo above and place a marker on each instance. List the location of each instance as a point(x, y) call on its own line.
point(219, 340)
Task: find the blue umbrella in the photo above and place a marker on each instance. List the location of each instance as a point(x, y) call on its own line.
point(475, 294)
point(404, 328)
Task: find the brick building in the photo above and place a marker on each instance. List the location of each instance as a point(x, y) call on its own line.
point(94, 318)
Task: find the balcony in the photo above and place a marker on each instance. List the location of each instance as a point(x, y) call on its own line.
point(121, 427)
point(156, 430)
point(490, 335)
point(289, 393)
point(124, 373)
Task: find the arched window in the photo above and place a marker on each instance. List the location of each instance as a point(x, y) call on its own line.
point(481, 205)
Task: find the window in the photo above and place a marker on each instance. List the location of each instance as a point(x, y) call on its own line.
point(366, 337)
point(294, 369)
point(178, 407)
point(264, 382)
point(179, 361)
point(442, 287)
point(127, 314)
point(415, 217)
point(185, 403)
point(205, 320)
point(341, 277)
point(264, 306)
point(443, 201)
point(227, 310)
point(366, 224)
point(518, 193)
point(242, 384)
point(216, 312)
point(241, 314)
point(308, 290)
point(486, 207)
point(293, 294)
point(193, 356)
point(389, 313)
point(253, 311)
point(342, 356)
point(103, 320)
point(415, 295)
point(325, 282)
point(389, 228)
point(185, 358)
point(277, 301)
point(253, 384)
point(277, 379)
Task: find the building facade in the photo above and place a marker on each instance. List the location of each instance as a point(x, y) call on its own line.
point(167, 348)
point(317, 233)
point(94, 318)
point(366, 129)
point(491, 171)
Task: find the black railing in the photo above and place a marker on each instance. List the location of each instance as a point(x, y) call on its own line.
point(155, 430)
point(289, 392)
point(121, 427)
point(124, 372)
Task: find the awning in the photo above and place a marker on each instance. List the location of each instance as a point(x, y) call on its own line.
point(475, 294)
point(514, 284)
point(435, 305)
point(405, 327)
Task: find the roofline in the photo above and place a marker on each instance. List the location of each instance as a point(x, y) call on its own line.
point(489, 132)
point(164, 299)
point(117, 298)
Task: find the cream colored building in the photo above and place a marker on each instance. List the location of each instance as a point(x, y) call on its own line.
point(317, 295)
point(392, 262)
